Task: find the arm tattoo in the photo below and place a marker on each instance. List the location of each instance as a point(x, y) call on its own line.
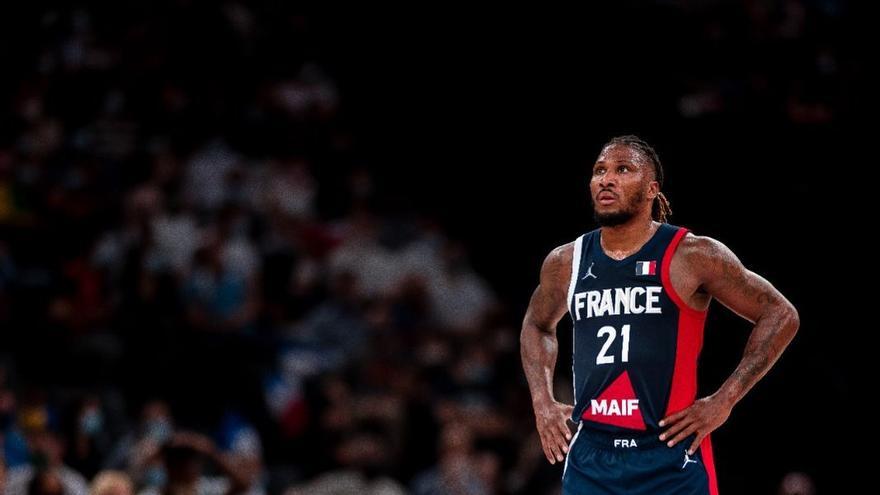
point(766, 298)
point(538, 345)
point(775, 324)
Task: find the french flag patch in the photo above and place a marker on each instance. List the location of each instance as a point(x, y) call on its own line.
point(646, 267)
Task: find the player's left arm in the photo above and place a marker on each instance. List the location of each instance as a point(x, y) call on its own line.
point(716, 271)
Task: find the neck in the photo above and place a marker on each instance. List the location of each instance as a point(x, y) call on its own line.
point(622, 240)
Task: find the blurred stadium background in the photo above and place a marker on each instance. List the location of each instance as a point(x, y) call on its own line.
point(300, 247)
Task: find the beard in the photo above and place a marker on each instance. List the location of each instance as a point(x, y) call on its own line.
point(621, 216)
point(614, 218)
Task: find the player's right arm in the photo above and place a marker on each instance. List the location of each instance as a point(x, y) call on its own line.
point(538, 347)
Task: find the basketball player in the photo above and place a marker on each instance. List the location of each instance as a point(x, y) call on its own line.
point(638, 289)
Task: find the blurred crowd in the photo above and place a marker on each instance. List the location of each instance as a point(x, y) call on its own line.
point(203, 288)
point(760, 59)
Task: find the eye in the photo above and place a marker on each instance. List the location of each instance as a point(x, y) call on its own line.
point(598, 170)
point(621, 169)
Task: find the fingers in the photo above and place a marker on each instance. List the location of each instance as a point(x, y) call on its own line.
point(563, 425)
point(696, 443)
point(673, 417)
point(566, 433)
point(555, 450)
point(552, 448)
point(675, 428)
point(547, 453)
point(555, 443)
point(682, 434)
point(563, 445)
point(555, 433)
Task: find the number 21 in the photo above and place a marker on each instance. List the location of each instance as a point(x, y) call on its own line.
point(608, 330)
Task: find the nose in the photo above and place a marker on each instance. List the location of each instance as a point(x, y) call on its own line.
point(608, 179)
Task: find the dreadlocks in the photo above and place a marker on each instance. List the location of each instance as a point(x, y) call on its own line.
point(660, 210)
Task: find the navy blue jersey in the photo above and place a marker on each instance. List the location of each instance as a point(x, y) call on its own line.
point(636, 342)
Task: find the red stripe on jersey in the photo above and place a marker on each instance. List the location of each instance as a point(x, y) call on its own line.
point(688, 342)
point(709, 463)
point(664, 275)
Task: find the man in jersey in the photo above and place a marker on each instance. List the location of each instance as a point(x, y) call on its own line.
point(637, 290)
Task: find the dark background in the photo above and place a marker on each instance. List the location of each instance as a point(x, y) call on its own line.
point(510, 118)
point(488, 125)
point(510, 121)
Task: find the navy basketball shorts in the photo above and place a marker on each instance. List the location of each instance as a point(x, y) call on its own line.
point(603, 463)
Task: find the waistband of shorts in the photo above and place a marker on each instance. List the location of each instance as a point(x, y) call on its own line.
point(622, 440)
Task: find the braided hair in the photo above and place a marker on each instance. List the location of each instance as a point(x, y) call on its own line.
point(660, 210)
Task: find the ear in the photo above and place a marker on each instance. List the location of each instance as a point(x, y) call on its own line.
point(653, 189)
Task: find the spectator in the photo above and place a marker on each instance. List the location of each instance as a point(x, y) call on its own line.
point(183, 457)
point(111, 483)
point(47, 475)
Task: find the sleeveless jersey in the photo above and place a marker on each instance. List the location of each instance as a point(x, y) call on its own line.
point(636, 342)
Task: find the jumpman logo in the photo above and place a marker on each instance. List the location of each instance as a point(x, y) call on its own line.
point(687, 459)
point(590, 272)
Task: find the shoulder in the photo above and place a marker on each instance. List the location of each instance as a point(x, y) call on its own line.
point(704, 254)
point(559, 257)
point(693, 245)
point(558, 263)
point(555, 277)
